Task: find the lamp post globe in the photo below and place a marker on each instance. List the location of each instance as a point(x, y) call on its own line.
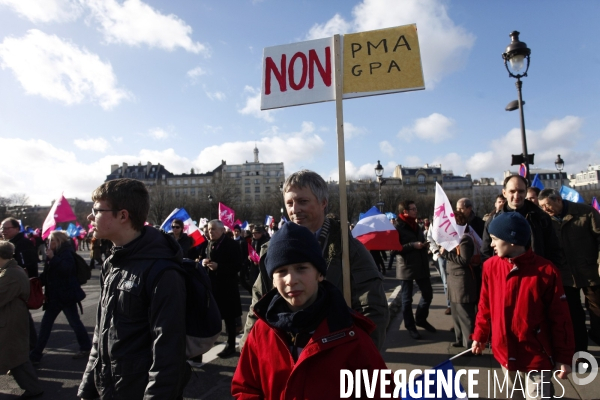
point(210, 199)
point(378, 175)
point(516, 61)
point(559, 163)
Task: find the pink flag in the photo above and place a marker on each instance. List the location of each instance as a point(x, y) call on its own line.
point(253, 255)
point(226, 215)
point(61, 211)
point(595, 204)
point(237, 222)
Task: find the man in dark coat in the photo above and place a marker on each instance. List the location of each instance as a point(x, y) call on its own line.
point(139, 339)
point(578, 229)
point(412, 265)
point(223, 260)
point(465, 205)
point(544, 241)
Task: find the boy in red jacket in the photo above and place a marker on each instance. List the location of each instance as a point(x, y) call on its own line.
point(522, 301)
point(305, 333)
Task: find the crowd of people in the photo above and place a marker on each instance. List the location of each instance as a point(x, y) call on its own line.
point(517, 272)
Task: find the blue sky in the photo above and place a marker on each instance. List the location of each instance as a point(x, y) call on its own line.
point(89, 83)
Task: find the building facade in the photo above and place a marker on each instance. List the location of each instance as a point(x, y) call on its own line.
point(422, 179)
point(151, 174)
point(587, 180)
point(549, 178)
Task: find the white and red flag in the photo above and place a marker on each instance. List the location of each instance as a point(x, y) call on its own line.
point(446, 232)
point(189, 226)
point(61, 211)
point(226, 216)
point(376, 232)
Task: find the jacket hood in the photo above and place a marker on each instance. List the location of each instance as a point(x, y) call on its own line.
point(151, 244)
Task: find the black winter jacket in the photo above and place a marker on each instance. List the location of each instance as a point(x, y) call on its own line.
point(25, 254)
point(139, 342)
point(60, 277)
point(544, 241)
point(411, 263)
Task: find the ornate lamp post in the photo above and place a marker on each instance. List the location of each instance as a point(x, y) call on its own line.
point(381, 181)
point(560, 165)
point(210, 199)
point(517, 57)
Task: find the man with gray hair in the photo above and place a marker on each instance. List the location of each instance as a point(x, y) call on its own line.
point(306, 199)
point(465, 205)
point(578, 228)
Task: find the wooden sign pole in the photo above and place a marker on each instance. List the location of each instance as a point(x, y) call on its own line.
point(339, 84)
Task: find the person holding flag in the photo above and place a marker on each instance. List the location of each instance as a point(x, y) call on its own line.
point(182, 238)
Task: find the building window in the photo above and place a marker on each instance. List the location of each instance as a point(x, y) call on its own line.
point(200, 190)
point(247, 190)
point(176, 192)
point(246, 181)
point(185, 192)
point(238, 181)
point(170, 182)
point(257, 181)
point(407, 181)
point(555, 183)
point(267, 180)
point(268, 189)
point(257, 189)
point(200, 180)
point(233, 174)
point(207, 180)
point(421, 178)
point(192, 191)
point(153, 169)
point(178, 182)
point(185, 181)
point(193, 181)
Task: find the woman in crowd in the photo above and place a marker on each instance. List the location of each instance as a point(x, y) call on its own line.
point(63, 292)
point(462, 286)
point(14, 330)
point(182, 238)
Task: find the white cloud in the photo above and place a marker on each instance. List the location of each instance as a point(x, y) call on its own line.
point(195, 73)
point(434, 128)
point(557, 137)
point(365, 171)
point(220, 96)
point(252, 106)
point(99, 144)
point(297, 149)
point(118, 139)
point(43, 11)
point(47, 66)
point(352, 131)
point(134, 23)
point(444, 45)
point(386, 148)
point(336, 25)
point(159, 133)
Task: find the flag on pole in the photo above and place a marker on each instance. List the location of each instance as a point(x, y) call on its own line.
point(189, 226)
point(226, 215)
point(253, 254)
point(445, 231)
point(537, 182)
point(72, 230)
point(376, 232)
point(268, 220)
point(595, 203)
point(570, 194)
point(61, 211)
point(244, 226)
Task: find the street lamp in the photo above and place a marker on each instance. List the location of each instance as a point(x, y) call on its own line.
point(210, 199)
point(560, 165)
point(517, 53)
point(381, 181)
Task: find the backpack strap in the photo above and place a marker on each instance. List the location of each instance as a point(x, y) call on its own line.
point(154, 272)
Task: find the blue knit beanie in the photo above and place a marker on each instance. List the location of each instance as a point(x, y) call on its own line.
point(294, 244)
point(511, 227)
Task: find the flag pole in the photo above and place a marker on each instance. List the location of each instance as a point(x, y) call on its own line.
point(337, 49)
point(460, 354)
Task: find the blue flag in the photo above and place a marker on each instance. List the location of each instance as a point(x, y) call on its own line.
point(571, 194)
point(440, 390)
point(537, 183)
point(390, 215)
point(244, 226)
point(72, 230)
point(372, 211)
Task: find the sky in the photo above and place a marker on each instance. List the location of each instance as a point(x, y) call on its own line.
point(89, 83)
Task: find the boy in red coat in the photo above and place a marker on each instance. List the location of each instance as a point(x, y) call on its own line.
point(523, 302)
point(305, 333)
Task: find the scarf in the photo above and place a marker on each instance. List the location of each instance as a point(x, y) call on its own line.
point(298, 325)
point(409, 221)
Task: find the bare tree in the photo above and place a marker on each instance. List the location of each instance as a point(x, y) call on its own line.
point(162, 202)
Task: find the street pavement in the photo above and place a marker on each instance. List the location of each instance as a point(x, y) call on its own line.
point(60, 374)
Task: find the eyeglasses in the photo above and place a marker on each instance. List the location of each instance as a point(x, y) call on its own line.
point(175, 227)
point(412, 209)
point(95, 211)
point(5, 228)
